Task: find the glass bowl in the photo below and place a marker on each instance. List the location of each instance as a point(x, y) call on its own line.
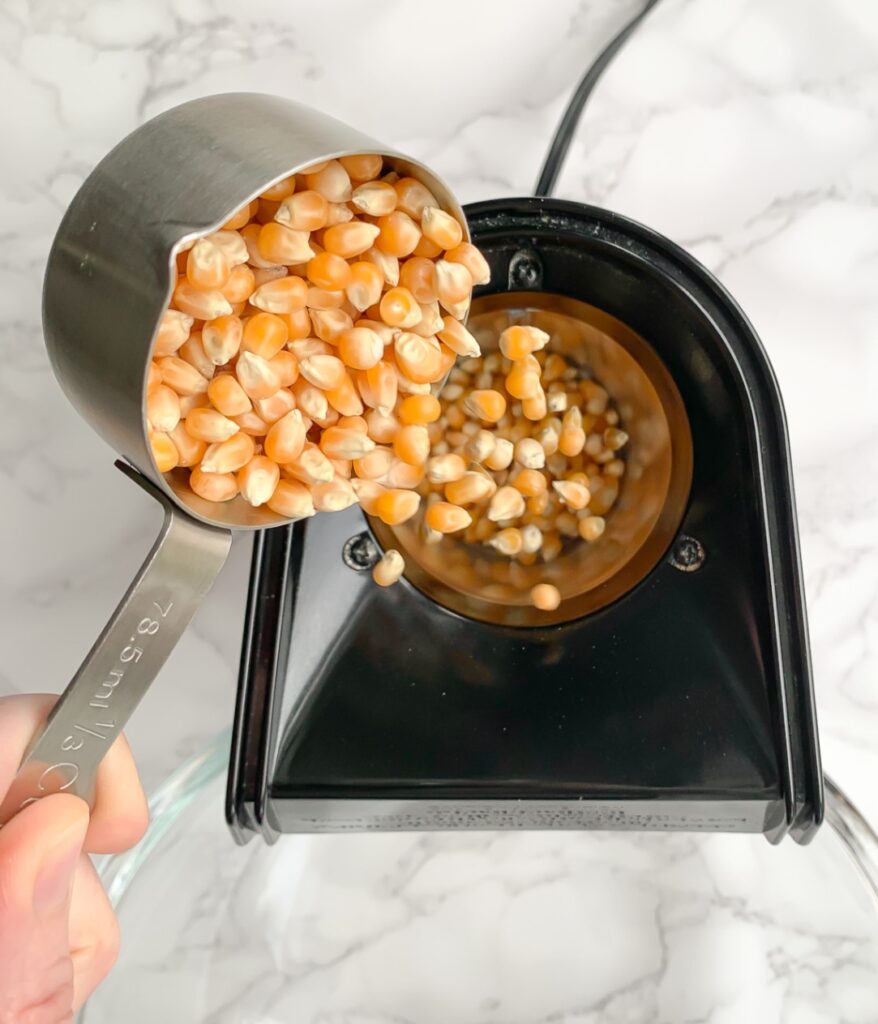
point(486, 928)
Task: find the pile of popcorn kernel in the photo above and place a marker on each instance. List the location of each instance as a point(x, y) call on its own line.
point(295, 364)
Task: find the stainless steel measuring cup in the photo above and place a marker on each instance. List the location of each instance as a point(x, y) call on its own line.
point(109, 278)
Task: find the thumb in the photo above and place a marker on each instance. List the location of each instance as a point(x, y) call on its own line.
point(39, 851)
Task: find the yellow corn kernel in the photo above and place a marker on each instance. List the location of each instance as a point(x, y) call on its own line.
point(574, 494)
point(265, 334)
point(362, 166)
point(323, 371)
point(331, 181)
point(572, 439)
point(228, 396)
point(368, 492)
point(592, 527)
point(387, 264)
point(374, 465)
point(345, 398)
point(480, 446)
point(596, 397)
point(507, 542)
point(286, 366)
point(256, 375)
point(312, 401)
point(251, 423)
point(174, 328)
point(276, 406)
point(200, 304)
point(557, 401)
point(258, 479)
point(535, 407)
point(554, 367)
point(453, 284)
point(615, 439)
point(383, 386)
point(398, 234)
point(349, 240)
point(467, 254)
point(545, 597)
point(206, 265)
point(413, 197)
point(404, 474)
point(164, 451)
point(412, 444)
point(360, 347)
point(531, 539)
point(418, 275)
point(213, 486)
point(354, 422)
point(374, 198)
point(181, 376)
point(239, 219)
point(399, 308)
point(521, 340)
point(221, 339)
point(430, 322)
point(233, 246)
point(311, 466)
point(189, 448)
point(458, 338)
point(419, 409)
point(502, 455)
point(279, 244)
point(427, 248)
point(304, 211)
point(333, 496)
point(344, 443)
point(210, 425)
point(538, 505)
point(390, 566)
point(281, 295)
point(443, 469)
point(469, 489)
point(487, 405)
point(529, 453)
point(163, 408)
point(567, 524)
point(329, 323)
point(285, 439)
point(531, 483)
point(382, 426)
point(365, 285)
point(419, 359)
point(153, 376)
point(298, 324)
point(507, 503)
point(440, 227)
point(396, 506)
point(327, 270)
point(250, 236)
point(523, 380)
point(291, 500)
point(228, 456)
point(192, 352)
point(444, 517)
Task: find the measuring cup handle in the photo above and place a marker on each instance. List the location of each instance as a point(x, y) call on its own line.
point(117, 672)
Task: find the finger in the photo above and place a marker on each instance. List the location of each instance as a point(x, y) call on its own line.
point(119, 816)
point(94, 933)
point(39, 851)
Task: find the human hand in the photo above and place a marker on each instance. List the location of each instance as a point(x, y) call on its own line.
point(58, 933)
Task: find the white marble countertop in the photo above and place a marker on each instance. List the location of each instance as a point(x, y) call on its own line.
point(746, 130)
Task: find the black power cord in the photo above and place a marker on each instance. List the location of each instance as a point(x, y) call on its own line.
point(563, 136)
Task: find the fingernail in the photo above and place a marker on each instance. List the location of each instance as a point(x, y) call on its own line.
point(55, 875)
